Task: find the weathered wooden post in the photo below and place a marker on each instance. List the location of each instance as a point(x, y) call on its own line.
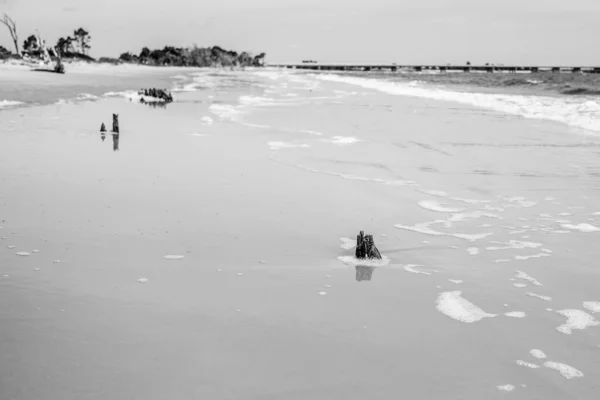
point(115, 128)
point(365, 247)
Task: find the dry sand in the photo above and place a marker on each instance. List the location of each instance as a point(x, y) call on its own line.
point(259, 306)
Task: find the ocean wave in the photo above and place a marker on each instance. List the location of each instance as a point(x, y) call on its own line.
point(9, 103)
point(577, 112)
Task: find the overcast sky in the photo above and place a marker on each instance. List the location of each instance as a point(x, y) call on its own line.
point(405, 32)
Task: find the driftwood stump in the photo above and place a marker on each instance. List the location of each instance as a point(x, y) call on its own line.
point(115, 128)
point(160, 94)
point(103, 127)
point(365, 247)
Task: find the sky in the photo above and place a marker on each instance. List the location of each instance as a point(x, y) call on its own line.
point(522, 32)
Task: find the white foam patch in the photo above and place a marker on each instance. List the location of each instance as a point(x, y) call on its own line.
point(586, 228)
point(198, 134)
point(173, 257)
point(314, 133)
point(437, 207)
point(322, 293)
point(225, 111)
point(11, 246)
point(284, 145)
point(538, 354)
point(473, 215)
point(523, 275)
point(506, 388)
point(413, 268)
point(565, 370)
point(436, 193)
point(516, 314)
point(207, 120)
point(351, 260)
point(593, 306)
point(514, 244)
point(539, 255)
point(342, 140)
point(527, 364)
point(473, 251)
point(547, 250)
point(520, 202)
point(23, 254)
point(424, 228)
point(143, 280)
point(576, 319)
point(347, 243)
point(501, 261)
point(519, 285)
point(9, 103)
point(537, 296)
point(257, 101)
point(455, 281)
point(456, 307)
point(565, 214)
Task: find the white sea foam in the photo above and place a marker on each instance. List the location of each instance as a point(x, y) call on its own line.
point(426, 230)
point(315, 133)
point(436, 193)
point(537, 296)
point(574, 111)
point(581, 227)
point(456, 307)
point(86, 96)
point(347, 243)
point(473, 251)
point(501, 261)
point(506, 388)
point(537, 354)
point(576, 319)
point(527, 364)
point(143, 280)
point(539, 255)
point(256, 100)
point(455, 281)
point(9, 103)
point(351, 260)
point(173, 257)
point(23, 254)
point(519, 285)
point(516, 314)
point(207, 120)
point(284, 145)
point(435, 206)
point(342, 140)
point(413, 268)
point(593, 306)
point(514, 244)
point(565, 370)
point(472, 215)
point(523, 275)
point(225, 111)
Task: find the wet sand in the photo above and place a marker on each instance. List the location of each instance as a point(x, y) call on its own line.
point(253, 178)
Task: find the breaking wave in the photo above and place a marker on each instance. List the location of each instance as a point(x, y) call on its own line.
point(579, 112)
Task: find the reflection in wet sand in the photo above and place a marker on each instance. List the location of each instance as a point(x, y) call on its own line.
point(115, 141)
point(364, 273)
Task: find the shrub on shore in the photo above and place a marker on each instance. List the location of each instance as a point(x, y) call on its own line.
point(193, 57)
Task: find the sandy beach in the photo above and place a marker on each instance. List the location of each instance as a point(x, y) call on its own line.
point(211, 255)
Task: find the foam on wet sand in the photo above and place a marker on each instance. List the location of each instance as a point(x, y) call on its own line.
point(453, 305)
point(576, 319)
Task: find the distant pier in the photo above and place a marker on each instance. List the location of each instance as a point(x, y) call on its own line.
point(439, 68)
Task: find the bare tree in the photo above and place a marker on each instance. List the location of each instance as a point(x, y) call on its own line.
point(12, 28)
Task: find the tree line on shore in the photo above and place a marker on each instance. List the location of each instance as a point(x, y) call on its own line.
point(77, 46)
